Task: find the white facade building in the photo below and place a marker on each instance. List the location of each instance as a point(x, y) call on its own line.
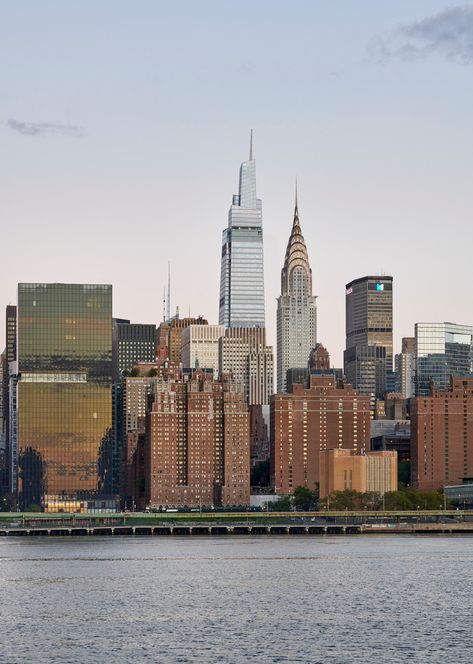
point(199, 346)
point(244, 353)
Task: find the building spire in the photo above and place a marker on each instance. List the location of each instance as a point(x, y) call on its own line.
point(296, 210)
point(251, 144)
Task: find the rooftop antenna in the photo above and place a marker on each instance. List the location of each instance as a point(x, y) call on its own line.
point(164, 303)
point(251, 144)
point(169, 291)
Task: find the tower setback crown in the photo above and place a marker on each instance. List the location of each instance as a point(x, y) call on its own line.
point(296, 275)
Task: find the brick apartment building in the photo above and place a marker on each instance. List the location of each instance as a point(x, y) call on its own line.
point(442, 436)
point(197, 447)
point(310, 419)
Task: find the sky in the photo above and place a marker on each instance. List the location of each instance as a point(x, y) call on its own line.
point(123, 126)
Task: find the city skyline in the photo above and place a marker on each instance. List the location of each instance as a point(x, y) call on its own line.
point(377, 185)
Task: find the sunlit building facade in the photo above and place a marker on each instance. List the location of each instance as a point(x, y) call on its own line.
point(242, 270)
point(64, 395)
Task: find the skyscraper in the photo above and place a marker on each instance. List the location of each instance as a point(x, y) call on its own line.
point(369, 333)
point(297, 309)
point(442, 350)
point(64, 394)
point(242, 270)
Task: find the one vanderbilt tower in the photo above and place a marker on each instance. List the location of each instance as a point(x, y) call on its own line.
point(242, 273)
point(297, 309)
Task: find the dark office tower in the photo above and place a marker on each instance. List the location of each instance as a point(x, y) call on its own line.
point(64, 395)
point(9, 357)
point(369, 334)
point(132, 343)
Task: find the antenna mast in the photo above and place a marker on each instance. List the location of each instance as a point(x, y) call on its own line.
point(169, 290)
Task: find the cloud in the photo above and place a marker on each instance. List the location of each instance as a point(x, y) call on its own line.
point(44, 128)
point(448, 34)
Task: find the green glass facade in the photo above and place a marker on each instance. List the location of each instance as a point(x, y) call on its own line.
point(64, 397)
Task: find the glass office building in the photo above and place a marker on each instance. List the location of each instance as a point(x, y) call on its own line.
point(242, 270)
point(64, 395)
point(441, 350)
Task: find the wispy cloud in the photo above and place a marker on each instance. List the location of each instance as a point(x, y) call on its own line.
point(44, 128)
point(448, 34)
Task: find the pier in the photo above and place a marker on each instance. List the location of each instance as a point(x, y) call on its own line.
point(223, 530)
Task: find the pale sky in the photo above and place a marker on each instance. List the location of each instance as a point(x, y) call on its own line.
point(123, 125)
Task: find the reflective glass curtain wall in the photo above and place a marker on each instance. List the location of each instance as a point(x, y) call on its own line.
point(242, 268)
point(442, 350)
point(64, 392)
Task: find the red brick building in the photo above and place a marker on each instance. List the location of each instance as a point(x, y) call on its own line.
point(197, 449)
point(308, 420)
point(442, 436)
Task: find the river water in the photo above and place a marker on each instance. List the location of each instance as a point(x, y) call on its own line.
point(340, 600)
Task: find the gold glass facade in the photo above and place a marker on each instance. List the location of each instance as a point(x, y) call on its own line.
point(64, 391)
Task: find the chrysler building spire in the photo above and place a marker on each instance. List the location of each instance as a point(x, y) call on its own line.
point(297, 312)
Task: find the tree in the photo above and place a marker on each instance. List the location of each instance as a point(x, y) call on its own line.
point(304, 498)
point(404, 473)
point(283, 504)
point(152, 372)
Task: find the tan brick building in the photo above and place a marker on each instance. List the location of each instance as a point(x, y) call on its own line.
point(169, 335)
point(197, 449)
point(442, 436)
point(345, 470)
point(308, 420)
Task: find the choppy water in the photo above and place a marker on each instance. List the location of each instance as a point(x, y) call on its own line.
point(336, 600)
